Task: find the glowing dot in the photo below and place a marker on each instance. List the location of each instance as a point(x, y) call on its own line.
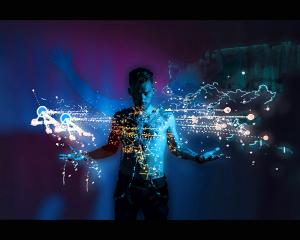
point(218, 126)
point(65, 118)
point(72, 138)
point(266, 137)
point(228, 76)
point(247, 132)
point(243, 72)
point(194, 119)
point(250, 152)
point(267, 109)
point(34, 122)
point(48, 131)
point(41, 111)
point(32, 90)
point(69, 175)
point(277, 169)
point(227, 110)
point(227, 145)
point(250, 116)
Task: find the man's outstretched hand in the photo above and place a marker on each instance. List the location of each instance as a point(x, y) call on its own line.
point(208, 156)
point(202, 159)
point(76, 156)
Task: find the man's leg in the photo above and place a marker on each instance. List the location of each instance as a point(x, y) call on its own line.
point(125, 210)
point(125, 207)
point(155, 204)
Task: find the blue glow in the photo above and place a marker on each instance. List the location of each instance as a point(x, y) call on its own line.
point(51, 208)
point(41, 111)
point(65, 118)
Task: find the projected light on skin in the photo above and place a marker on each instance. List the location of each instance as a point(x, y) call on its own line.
point(209, 116)
point(66, 123)
point(79, 156)
point(202, 113)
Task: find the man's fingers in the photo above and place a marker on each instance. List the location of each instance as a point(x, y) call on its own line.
point(212, 158)
point(72, 157)
point(65, 157)
point(215, 157)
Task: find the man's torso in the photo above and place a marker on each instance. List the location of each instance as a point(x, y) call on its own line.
point(143, 138)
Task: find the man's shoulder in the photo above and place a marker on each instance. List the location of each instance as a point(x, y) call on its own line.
point(167, 114)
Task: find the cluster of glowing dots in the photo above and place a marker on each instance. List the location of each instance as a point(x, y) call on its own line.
point(226, 124)
point(217, 126)
point(65, 125)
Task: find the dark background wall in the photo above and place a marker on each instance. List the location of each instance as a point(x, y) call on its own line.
point(104, 51)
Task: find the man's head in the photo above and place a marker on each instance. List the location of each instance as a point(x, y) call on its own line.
point(141, 87)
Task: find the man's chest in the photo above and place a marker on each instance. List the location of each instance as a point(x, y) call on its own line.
point(134, 129)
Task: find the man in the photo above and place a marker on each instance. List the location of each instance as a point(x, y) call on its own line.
point(143, 132)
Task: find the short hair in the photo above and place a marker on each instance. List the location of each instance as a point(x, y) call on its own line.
point(140, 75)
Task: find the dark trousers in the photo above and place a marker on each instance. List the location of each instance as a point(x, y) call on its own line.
point(150, 197)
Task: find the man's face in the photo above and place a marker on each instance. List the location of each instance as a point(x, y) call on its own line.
point(142, 94)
